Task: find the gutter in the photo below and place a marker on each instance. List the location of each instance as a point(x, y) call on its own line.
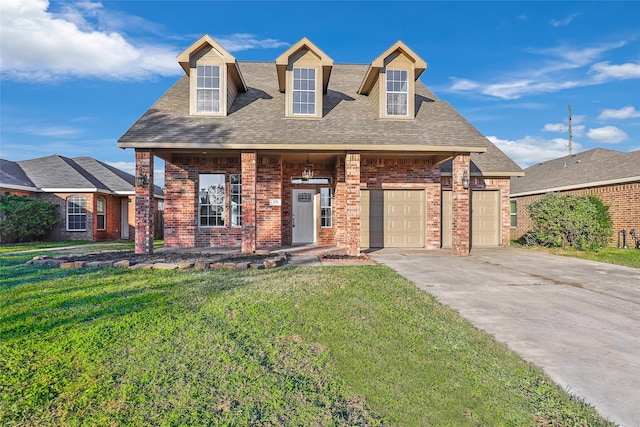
point(578, 186)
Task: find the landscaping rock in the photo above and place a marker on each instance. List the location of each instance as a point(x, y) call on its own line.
point(255, 266)
point(53, 262)
point(229, 265)
point(242, 266)
point(67, 265)
point(216, 265)
point(141, 266)
point(165, 266)
point(201, 265)
point(122, 264)
point(79, 264)
point(185, 265)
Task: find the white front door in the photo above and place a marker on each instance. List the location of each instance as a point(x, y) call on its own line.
point(124, 218)
point(304, 230)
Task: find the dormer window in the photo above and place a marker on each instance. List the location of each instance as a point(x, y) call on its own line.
point(214, 77)
point(397, 93)
point(208, 89)
point(303, 76)
point(304, 91)
point(390, 82)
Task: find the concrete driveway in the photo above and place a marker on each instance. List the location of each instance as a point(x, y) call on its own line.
point(578, 320)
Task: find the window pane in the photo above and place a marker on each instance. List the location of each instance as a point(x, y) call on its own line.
point(304, 90)
point(211, 198)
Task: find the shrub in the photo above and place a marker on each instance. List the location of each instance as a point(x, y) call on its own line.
point(581, 222)
point(25, 219)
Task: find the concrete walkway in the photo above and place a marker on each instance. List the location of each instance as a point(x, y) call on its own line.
point(578, 320)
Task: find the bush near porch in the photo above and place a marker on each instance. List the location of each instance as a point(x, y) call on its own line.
point(356, 345)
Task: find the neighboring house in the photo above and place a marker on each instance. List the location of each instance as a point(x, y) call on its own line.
point(95, 200)
point(305, 151)
point(613, 176)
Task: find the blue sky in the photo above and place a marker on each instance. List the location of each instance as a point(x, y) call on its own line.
point(76, 75)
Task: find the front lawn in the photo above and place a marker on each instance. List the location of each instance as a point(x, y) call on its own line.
point(629, 257)
point(355, 345)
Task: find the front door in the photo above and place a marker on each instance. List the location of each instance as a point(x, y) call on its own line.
point(303, 216)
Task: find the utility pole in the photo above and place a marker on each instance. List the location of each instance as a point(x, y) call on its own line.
point(570, 133)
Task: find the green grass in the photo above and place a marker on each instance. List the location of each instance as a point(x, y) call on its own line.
point(83, 246)
point(355, 345)
point(612, 255)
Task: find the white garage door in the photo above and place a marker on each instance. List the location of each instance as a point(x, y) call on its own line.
point(392, 218)
point(485, 218)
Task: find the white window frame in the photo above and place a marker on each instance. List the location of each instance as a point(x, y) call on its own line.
point(326, 210)
point(235, 199)
point(211, 200)
point(77, 207)
point(208, 83)
point(101, 212)
point(304, 87)
point(397, 85)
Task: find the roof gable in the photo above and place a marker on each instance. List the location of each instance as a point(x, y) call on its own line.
point(380, 62)
point(300, 48)
point(203, 44)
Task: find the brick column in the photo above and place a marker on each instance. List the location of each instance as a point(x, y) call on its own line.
point(144, 203)
point(352, 202)
point(461, 210)
point(249, 174)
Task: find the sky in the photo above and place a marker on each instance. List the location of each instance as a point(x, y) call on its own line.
point(75, 75)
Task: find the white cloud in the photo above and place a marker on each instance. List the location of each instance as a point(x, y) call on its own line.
point(38, 45)
point(559, 69)
point(530, 150)
point(238, 42)
point(628, 112)
point(556, 127)
point(607, 134)
point(577, 130)
point(605, 71)
point(563, 22)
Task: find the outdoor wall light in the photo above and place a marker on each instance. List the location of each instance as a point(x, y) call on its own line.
point(465, 180)
point(142, 180)
point(307, 173)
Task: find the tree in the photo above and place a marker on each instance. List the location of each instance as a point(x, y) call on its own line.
point(24, 219)
point(582, 222)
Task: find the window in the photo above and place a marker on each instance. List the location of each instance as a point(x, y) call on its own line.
point(101, 210)
point(76, 213)
point(208, 89)
point(325, 207)
point(304, 91)
point(397, 93)
point(211, 200)
point(514, 214)
point(236, 200)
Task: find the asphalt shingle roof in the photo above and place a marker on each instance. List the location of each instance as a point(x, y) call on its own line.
point(257, 117)
point(59, 172)
point(586, 169)
point(12, 174)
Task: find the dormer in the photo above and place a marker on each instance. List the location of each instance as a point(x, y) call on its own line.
point(302, 70)
point(390, 82)
point(214, 77)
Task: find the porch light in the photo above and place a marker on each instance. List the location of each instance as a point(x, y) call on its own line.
point(142, 180)
point(465, 180)
point(307, 173)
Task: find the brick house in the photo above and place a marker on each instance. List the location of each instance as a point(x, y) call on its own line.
point(304, 151)
point(95, 201)
point(611, 175)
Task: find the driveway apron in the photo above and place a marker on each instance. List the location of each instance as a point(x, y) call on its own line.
point(578, 320)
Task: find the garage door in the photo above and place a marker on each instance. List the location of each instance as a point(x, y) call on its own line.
point(485, 218)
point(392, 218)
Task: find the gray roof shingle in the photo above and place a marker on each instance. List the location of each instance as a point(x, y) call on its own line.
point(59, 172)
point(257, 118)
point(587, 169)
point(12, 175)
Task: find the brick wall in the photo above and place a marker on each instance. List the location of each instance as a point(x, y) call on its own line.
point(59, 231)
point(623, 201)
point(269, 186)
point(144, 204)
point(461, 233)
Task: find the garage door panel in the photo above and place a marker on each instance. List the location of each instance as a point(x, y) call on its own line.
point(395, 218)
point(485, 218)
